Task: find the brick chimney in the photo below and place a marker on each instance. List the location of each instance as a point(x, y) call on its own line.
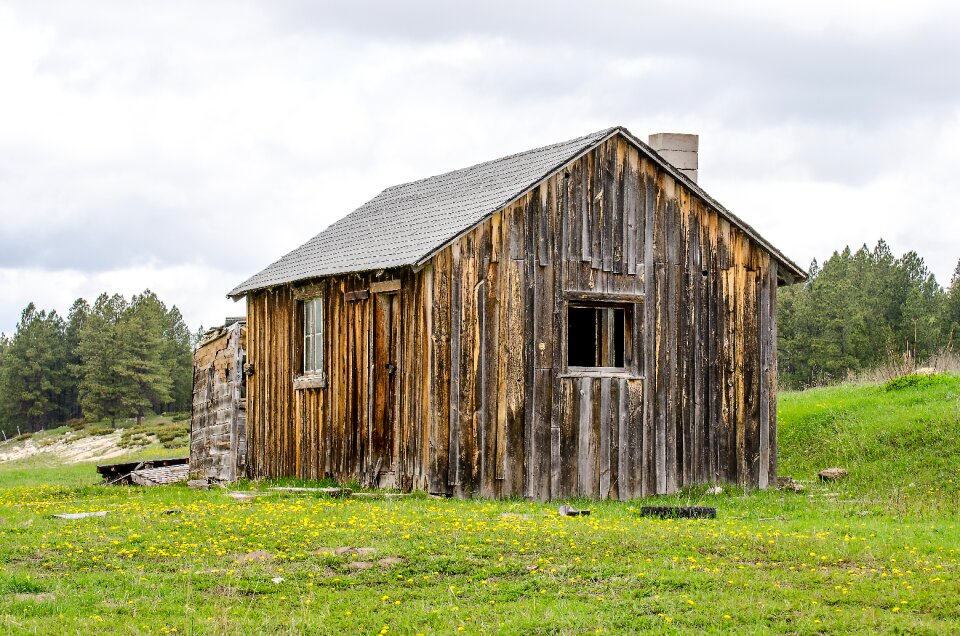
point(679, 149)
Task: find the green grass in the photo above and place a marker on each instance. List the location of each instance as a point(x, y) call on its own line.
point(878, 552)
point(900, 441)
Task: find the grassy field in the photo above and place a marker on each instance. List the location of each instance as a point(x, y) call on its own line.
point(878, 552)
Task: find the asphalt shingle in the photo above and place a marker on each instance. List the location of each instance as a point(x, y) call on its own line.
point(406, 222)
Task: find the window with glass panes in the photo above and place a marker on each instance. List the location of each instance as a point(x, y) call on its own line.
point(312, 336)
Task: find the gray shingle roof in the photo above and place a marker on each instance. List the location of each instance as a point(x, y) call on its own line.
point(406, 223)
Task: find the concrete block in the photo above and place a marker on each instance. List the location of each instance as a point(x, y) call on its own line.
point(679, 149)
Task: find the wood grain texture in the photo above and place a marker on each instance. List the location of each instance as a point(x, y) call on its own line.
point(485, 403)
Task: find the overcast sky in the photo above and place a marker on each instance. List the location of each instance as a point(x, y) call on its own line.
point(183, 146)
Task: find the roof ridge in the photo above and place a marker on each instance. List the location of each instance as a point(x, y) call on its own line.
point(407, 223)
point(599, 134)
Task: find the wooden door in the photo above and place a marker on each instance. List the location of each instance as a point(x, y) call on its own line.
point(384, 434)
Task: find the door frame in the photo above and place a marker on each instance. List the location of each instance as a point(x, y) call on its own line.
point(386, 292)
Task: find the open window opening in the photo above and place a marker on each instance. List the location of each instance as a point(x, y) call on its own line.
point(596, 336)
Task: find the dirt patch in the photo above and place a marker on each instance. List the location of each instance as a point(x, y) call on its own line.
point(362, 552)
point(36, 597)
point(68, 449)
point(360, 565)
point(389, 562)
point(255, 556)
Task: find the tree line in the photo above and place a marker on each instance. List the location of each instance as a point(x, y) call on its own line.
point(118, 359)
point(113, 359)
point(860, 310)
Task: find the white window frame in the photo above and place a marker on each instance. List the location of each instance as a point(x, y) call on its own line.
point(313, 324)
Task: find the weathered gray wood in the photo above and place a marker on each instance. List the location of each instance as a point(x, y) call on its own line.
point(662, 386)
point(454, 477)
point(353, 296)
point(586, 460)
point(570, 434)
point(595, 196)
point(765, 346)
point(541, 455)
point(600, 296)
point(772, 417)
point(650, 340)
point(386, 286)
point(606, 433)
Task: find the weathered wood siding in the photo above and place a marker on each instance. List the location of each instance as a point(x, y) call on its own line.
point(485, 403)
point(218, 419)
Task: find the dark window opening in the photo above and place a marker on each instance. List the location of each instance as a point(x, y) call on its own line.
point(595, 336)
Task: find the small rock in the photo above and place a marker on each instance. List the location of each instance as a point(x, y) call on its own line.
point(832, 474)
point(81, 515)
point(716, 490)
point(243, 496)
point(199, 484)
point(570, 511)
point(788, 483)
point(277, 579)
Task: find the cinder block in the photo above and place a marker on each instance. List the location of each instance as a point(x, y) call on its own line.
point(679, 149)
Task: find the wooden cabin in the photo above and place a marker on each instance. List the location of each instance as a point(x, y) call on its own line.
point(580, 319)
point(218, 423)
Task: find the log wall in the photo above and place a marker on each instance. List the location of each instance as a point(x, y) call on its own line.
point(485, 403)
point(218, 417)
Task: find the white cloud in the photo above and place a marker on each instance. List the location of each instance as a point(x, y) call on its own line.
point(183, 146)
point(198, 291)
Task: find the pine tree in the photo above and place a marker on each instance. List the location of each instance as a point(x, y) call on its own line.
point(179, 359)
point(100, 392)
point(857, 309)
point(951, 319)
point(144, 372)
point(34, 375)
point(76, 318)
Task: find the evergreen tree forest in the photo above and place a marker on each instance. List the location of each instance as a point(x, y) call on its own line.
point(116, 359)
point(113, 359)
point(861, 310)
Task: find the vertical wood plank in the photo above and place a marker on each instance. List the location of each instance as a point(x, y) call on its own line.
point(454, 476)
point(606, 433)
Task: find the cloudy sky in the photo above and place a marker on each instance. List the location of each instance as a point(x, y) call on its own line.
point(183, 146)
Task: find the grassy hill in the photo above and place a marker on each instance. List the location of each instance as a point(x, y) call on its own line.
point(878, 552)
point(900, 441)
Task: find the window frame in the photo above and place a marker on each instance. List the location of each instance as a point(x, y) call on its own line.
point(311, 371)
point(632, 349)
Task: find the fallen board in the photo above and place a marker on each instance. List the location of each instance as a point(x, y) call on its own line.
point(160, 475)
point(120, 473)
